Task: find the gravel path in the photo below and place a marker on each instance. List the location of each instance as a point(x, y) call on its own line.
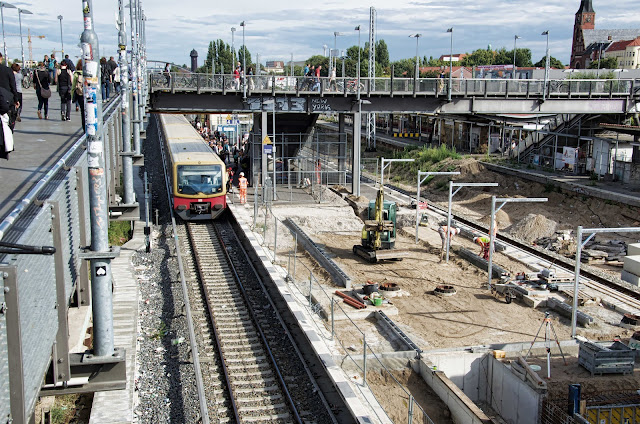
point(165, 379)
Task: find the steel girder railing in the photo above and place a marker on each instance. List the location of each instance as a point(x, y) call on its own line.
point(40, 289)
point(272, 84)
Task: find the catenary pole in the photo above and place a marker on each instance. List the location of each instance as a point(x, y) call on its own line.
point(102, 302)
point(134, 80)
point(127, 160)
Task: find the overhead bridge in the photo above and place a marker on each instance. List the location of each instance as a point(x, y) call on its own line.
point(208, 93)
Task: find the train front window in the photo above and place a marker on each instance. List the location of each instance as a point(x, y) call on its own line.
point(199, 179)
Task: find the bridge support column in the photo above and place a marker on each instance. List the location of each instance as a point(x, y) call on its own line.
point(342, 148)
point(264, 122)
point(357, 139)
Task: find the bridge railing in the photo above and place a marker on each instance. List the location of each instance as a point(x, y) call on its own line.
point(460, 87)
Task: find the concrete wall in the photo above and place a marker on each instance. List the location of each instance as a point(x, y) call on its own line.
point(462, 409)
point(463, 369)
point(512, 398)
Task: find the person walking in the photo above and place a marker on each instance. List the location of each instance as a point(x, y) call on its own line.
point(443, 231)
point(65, 79)
point(332, 80)
point(17, 74)
point(106, 79)
point(43, 90)
point(69, 63)
point(242, 184)
point(78, 88)
point(51, 68)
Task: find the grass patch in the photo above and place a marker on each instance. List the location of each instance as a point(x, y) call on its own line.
point(425, 159)
point(119, 232)
point(70, 408)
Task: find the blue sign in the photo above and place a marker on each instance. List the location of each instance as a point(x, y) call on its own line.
point(268, 149)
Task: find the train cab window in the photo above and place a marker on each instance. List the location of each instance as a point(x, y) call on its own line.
point(199, 179)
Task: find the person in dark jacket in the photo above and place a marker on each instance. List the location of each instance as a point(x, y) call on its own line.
point(105, 76)
point(41, 81)
point(65, 78)
point(8, 83)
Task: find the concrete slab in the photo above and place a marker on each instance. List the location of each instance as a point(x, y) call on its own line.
point(632, 264)
point(630, 278)
point(633, 249)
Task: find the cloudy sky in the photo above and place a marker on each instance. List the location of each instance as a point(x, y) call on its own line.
point(278, 28)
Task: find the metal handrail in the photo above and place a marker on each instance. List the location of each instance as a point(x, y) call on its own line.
point(467, 87)
point(32, 195)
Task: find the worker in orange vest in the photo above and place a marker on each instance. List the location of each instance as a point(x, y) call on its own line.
point(242, 183)
point(318, 169)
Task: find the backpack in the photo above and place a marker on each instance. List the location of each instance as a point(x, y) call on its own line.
point(52, 65)
point(79, 85)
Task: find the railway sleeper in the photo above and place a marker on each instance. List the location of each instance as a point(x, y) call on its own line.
point(253, 410)
point(244, 360)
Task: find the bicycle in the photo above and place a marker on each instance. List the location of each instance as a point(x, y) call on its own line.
point(27, 77)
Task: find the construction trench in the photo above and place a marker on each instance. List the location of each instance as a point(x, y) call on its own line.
point(440, 341)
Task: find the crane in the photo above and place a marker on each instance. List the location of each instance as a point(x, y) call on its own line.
point(29, 43)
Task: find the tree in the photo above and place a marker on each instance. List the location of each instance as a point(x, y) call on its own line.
point(606, 63)
point(404, 68)
point(241, 53)
point(320, 60)
point(382, 54)
point(479, 57)
point(553, 63)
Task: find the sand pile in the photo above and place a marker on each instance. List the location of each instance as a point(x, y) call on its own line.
point(533, 227)
point(502, 220)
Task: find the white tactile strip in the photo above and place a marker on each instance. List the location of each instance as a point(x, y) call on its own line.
point(362, 413)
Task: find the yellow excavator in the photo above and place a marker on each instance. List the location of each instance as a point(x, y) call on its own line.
point(379, 232)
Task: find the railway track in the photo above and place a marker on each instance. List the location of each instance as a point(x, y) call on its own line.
point(596, 281)
point(252, 370)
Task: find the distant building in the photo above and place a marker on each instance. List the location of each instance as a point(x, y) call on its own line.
point(626, 52)
point(590, 44)
point(454, 57)
point(274, 66)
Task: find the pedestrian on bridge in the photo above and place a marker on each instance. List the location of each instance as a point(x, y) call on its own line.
point(43, 89)
point(78, 90)
point(65, 79)
point(443, 231)
point(242, 184)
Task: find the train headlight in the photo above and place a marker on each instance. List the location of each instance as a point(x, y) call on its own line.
point(182, 207)
point(217, 206)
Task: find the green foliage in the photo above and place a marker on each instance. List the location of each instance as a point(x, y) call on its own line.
point(426, 158)
point(160, 332)
point(241, 52)
point(606, 63)
point(119, 232)
point(591, 75)
point(553, 63)
point(319, 60)
point(479, 57)
point(382, 54)
point(404, 68)
point(224, 57)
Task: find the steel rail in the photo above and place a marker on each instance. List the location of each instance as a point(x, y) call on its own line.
point(216, 334)
point(204, 412)
point(245, 296)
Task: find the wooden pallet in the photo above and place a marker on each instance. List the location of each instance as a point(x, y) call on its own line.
point(583, 298)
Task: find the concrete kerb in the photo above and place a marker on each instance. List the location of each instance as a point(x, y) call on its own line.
point(278, 275)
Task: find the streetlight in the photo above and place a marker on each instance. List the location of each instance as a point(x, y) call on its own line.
point(244, 67)
point(515, 40)
point(546, 67)
point(61, 40)
point(336, 34)
point(233, 50)
point(20, 12)
point(417, 37)
point(420, 181)
point(4, 44)
point(450, 30)
point(358, 29)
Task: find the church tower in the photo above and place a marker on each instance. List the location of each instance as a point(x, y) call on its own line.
point(585, 20)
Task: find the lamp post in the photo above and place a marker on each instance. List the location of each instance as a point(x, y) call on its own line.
point(20, 12)
point(244, 69)
point(417, 37)
point(61, 40)
point(546, 68)
point(233, 49)
point(4, 43)
point(426, 175)
point(515, 40)
point(358, 29)
point(450, 30)
point(334, 62)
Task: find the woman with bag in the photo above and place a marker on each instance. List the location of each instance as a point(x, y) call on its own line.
point(64, 77)
point(78, 87)
point(43, 91)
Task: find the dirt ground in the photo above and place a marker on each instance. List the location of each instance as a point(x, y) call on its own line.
point(472, 316)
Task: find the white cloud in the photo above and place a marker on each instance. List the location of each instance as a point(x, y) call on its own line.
point(277, 28)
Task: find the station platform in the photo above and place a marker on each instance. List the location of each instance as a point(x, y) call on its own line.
point(38, 143)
